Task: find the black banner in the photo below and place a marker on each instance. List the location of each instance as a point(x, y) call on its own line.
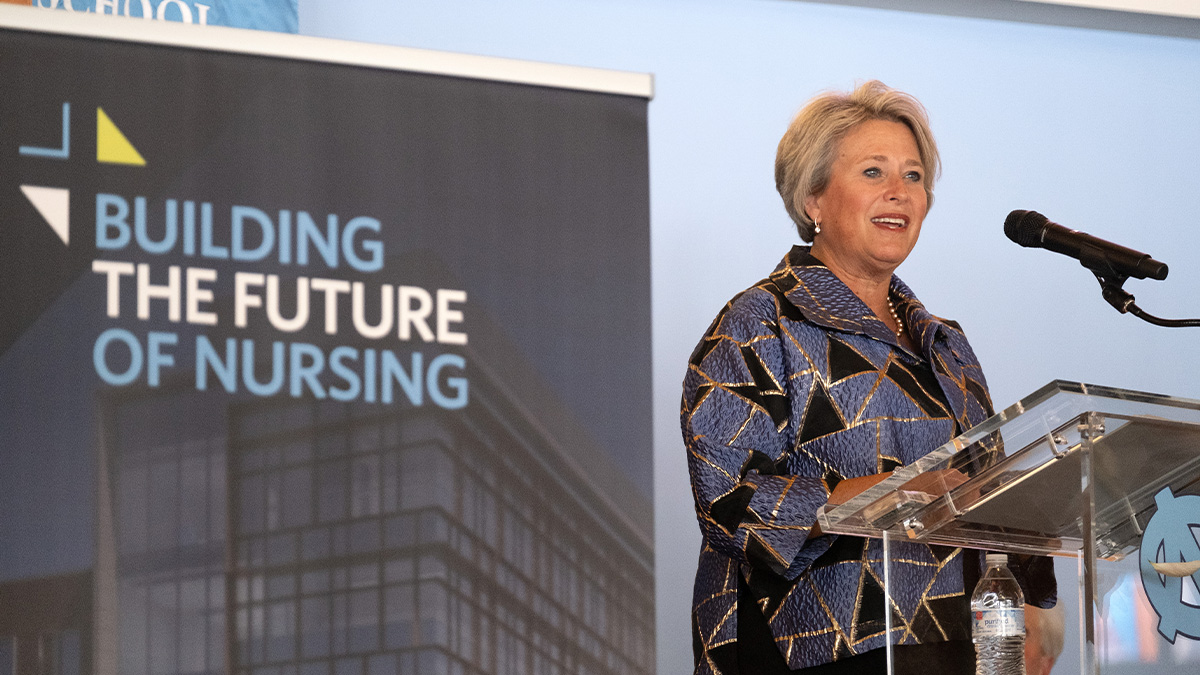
point(314, 368)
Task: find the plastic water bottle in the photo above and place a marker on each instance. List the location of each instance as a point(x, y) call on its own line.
point(998, 620)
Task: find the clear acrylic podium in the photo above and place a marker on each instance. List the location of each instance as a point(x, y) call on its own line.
point(1071, 470)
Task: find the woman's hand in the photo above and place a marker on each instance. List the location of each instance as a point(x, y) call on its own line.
point(848, 489)
point(936, 483)
point(851, 487)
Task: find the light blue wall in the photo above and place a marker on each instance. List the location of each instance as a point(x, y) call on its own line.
point(1097, 129)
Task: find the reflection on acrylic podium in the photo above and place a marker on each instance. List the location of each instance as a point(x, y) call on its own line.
point(1107, 476)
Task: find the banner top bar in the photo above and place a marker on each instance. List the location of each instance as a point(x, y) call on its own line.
point(326, 50)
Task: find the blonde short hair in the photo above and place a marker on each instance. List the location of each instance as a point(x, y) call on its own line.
point(808, 148)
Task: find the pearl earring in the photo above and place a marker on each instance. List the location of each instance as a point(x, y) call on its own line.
point(816, 228)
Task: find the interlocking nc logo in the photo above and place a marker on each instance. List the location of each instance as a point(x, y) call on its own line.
point(1168, 555)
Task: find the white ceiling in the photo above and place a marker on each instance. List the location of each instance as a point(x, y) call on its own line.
point(1185, 8)
point(1173, 18)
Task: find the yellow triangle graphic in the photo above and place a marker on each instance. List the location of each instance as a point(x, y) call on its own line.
point(111, 145)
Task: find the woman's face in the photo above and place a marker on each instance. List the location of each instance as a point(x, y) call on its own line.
point(871, 211)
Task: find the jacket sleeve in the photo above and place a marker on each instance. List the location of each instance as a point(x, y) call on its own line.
point(735, 419)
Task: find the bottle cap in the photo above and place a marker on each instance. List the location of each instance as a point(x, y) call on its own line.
point(996, 559)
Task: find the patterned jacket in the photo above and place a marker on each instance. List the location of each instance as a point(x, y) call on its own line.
point(795, 386)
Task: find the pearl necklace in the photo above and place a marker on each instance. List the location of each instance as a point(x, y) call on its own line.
point(899, 324)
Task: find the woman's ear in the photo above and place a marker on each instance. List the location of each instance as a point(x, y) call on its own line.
point(812, 208)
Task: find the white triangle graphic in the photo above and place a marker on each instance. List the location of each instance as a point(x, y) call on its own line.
point(55, 206)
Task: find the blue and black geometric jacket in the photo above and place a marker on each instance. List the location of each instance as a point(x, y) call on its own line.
point(795, 386)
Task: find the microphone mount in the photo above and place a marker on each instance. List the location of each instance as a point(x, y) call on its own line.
point(1123, 301)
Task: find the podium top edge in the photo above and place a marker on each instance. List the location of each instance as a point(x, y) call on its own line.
point(325, 50)
point(1056, 387)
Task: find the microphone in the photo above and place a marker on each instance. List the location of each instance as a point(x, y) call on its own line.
point(1033, 230)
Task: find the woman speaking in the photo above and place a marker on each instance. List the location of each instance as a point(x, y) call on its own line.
point(807, 386)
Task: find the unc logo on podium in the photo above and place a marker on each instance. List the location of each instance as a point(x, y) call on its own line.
point(1169, 553)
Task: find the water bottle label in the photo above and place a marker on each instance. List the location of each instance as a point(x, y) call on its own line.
point(999, 623)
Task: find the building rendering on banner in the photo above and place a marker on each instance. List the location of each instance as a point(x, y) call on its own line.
point(298, 537)
point(310, 537)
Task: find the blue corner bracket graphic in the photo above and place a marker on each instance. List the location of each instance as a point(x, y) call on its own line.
point(54, 153)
